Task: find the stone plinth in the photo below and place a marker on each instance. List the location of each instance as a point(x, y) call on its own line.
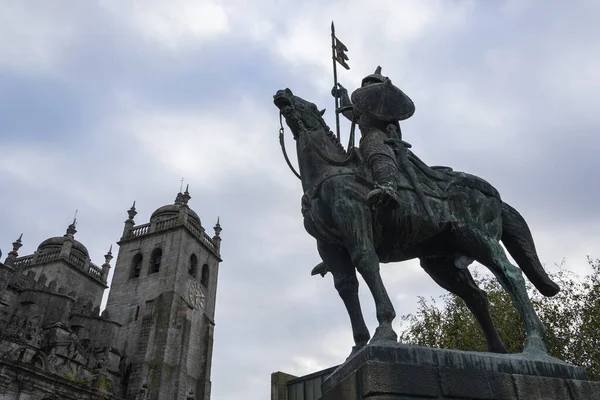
point(404, 372)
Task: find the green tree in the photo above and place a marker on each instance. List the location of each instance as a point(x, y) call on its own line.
point(572, 319)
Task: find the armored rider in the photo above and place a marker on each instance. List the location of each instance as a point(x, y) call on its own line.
point(378, 107)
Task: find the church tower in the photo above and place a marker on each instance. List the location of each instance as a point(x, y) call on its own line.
point(163, 293)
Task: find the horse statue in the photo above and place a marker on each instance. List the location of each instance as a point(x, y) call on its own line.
point(452, 220)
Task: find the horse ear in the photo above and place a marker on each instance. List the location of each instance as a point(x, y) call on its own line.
point(322, 111)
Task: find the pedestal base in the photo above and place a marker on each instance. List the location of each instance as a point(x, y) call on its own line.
point(404, 372)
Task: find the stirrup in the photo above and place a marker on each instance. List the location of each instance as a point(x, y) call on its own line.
point(384, 195)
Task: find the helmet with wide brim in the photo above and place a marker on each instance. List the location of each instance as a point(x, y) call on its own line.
point(383, 101)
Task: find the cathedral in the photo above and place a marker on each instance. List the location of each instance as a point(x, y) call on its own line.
point(153, 340)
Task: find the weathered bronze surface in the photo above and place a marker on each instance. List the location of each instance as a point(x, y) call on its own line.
point(381, 203)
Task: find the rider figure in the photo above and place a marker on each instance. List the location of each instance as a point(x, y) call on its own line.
point(378, 121)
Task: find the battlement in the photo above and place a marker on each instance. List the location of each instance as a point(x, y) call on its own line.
point(31, 282)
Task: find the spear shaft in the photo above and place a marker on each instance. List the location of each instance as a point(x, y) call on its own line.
point(335, 84)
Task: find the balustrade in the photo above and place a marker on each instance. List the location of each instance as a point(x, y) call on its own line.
point(166, 224)
point(23, 261)
point(78, 262)
point(140, 230)
point(95, 271)
point(45, 257)
point(208, 241)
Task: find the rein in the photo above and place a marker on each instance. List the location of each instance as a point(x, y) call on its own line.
point(318, 150)
point(282, 144)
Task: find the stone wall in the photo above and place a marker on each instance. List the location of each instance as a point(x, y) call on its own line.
point(19, 381)
point(169, 343)
point(70, 280)
point(279, 385)
point(52, 343)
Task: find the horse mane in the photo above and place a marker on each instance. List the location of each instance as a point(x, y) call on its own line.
point(336, 142)
point(339, 146)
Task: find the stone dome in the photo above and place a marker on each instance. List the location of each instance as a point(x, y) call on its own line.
point(55, 243)
point(173, 210)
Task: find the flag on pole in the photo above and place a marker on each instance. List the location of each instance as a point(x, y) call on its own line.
point(340, 53)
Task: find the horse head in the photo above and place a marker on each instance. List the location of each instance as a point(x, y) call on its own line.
point(317, 148)
point(300, 115)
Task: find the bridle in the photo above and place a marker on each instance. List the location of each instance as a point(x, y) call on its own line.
point(282, 144)
point(316, 147)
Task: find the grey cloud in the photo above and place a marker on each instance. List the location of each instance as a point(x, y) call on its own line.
point(497, 95)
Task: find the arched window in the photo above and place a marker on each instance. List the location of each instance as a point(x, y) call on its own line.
point(205, 272)
point(155, 261)
point(193, 265)
point(37, 361)
point(136, 266)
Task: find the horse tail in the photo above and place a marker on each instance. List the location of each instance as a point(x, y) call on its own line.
point(518, 240)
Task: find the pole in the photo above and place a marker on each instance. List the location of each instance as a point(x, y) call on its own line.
point(337, 115)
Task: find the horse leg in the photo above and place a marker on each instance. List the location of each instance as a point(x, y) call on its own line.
point(345, 281)
point(460, 282)
point(367, 264)
point(354, 221)
point(489, 253)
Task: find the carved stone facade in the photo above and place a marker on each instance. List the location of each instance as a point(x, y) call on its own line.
point(153, 340)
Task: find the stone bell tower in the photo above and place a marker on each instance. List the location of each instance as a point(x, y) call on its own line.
point(163, 293)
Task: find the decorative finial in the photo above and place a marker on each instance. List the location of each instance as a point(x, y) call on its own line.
point(17, 244)
point(71, 231)
point(131, 212)
point(14, 253)
point(108, 256)
point(181, 186)
point(106, 266)
point(185, 197)
point(378, 70)
point(178, 198)
point(217, 238)
point(218, 228)
point(74, 223)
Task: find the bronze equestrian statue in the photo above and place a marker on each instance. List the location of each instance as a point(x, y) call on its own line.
point(380, 203)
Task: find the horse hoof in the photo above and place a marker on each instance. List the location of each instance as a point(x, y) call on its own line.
point(384, 334)
point(496, 346)
point(355, 349)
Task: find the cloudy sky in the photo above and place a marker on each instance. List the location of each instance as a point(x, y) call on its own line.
point(106, 102)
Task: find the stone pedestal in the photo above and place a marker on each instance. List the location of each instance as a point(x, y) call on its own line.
point(404, 372)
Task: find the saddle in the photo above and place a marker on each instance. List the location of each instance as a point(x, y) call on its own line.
point(433, 181)
point(447, 179)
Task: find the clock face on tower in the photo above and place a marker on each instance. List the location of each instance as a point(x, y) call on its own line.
point(196, 295)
